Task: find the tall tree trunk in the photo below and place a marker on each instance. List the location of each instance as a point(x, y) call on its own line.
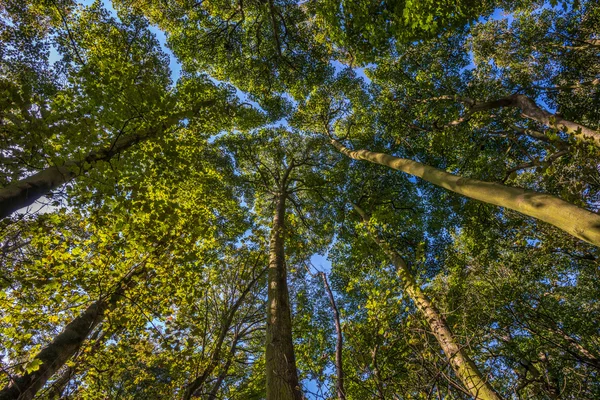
point(574, 220)
point(25, 192)
point(64, 346)
point(463, 366)
point(282, 376)
point(339, 367)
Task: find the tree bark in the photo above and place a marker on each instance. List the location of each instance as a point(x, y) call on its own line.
point(25, 192)
point(339, 367)
point(463, 366)
point(64, 346)
point(282, 376)
point(574, 220)
point(529, 109)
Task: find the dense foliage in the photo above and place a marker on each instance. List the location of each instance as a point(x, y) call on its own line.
point(285, 199)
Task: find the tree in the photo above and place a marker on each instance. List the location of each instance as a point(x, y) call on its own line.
point(464, 367)
point(578, 222)
point(176, 211)
point(285, 169)
point(101, 111)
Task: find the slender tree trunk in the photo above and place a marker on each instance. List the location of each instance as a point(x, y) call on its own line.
point(198, 383)
point(63, 347)
point(377, 374)
point(339, 367)
point(574, 220)
point(282, 376)
point(463, 366)
point(212, 395)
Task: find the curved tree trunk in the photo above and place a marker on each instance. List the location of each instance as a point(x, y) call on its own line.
point(529, 109)
point(282, 376)
point(64, 346)
point(574, 220)
point(463, 366)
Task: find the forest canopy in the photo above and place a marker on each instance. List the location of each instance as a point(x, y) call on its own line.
point(286, 200)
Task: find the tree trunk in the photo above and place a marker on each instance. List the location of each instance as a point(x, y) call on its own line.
point(198, 383)
point(574, 220)
point(339, 368)
point(60, 384)
point(529, 109)
point(212, 395)
point(25, 192)
point(63, 347)
point(463, 366)
point(282, 376)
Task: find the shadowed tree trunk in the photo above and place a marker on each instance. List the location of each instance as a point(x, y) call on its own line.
point(26, 191)
point(463, 366)
point(282, 376)
point(65, 345)
point(574, 220)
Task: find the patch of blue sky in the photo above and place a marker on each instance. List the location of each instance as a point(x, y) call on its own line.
point(360, 71)
point(321, 263)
